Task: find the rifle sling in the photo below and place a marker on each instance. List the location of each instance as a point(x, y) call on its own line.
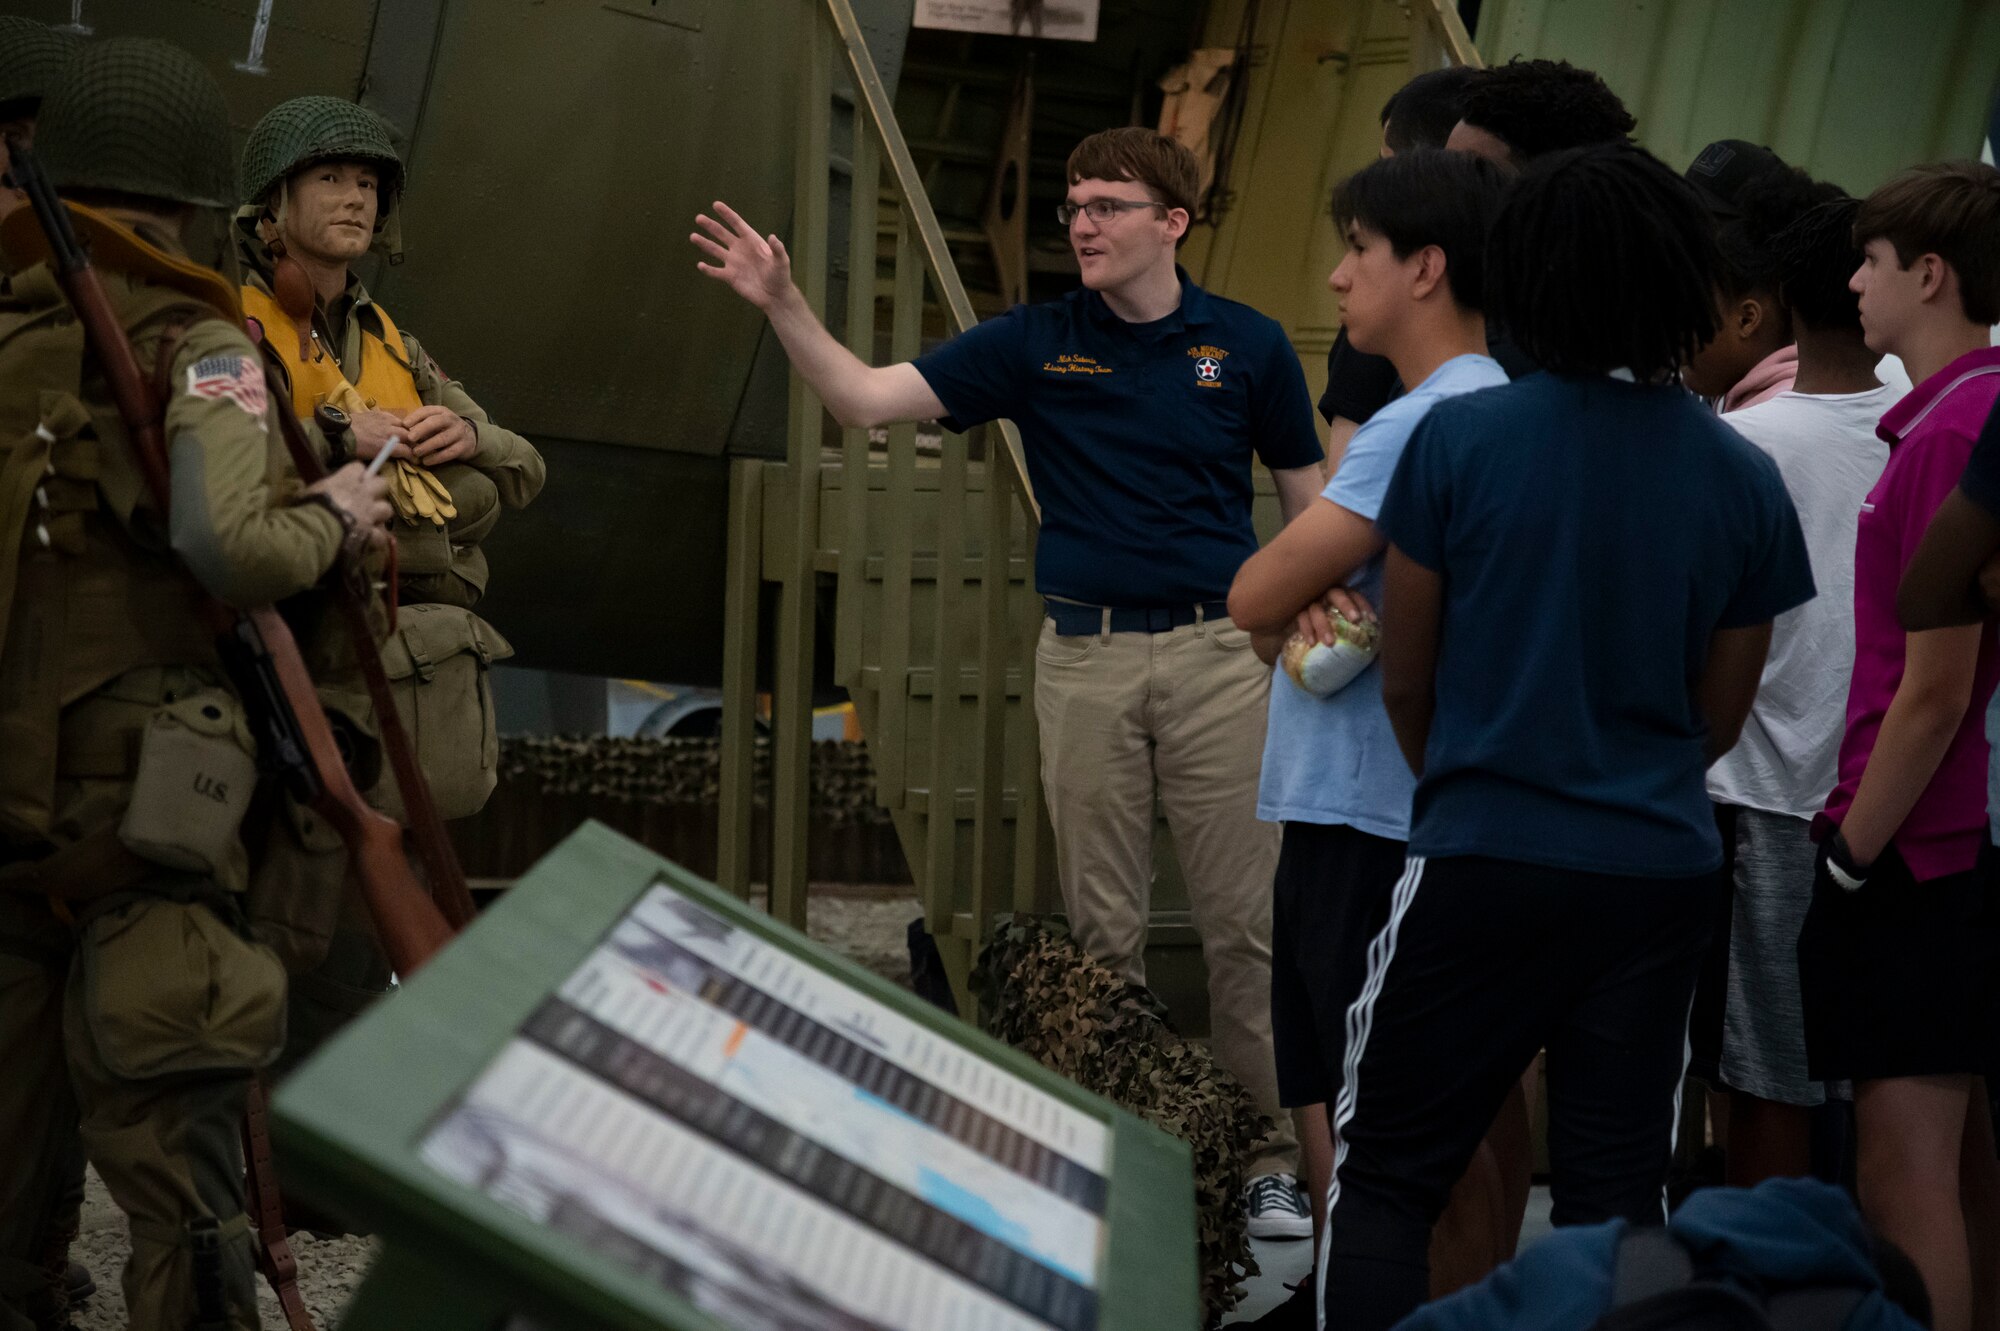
point(267, 1209)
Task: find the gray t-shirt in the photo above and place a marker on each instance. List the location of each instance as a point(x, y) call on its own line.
point(1829, 456)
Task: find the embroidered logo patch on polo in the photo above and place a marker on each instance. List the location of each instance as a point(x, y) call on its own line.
point(1071, 363)
point(1208, 365)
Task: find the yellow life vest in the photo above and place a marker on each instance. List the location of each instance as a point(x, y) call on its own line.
point(386, 380)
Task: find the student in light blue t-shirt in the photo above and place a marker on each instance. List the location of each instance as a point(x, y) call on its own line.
point(1415, 227)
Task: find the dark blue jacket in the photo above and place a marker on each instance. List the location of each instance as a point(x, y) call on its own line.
point(1782, 1234)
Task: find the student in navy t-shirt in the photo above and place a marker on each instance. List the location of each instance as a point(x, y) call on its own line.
point(1582, 573)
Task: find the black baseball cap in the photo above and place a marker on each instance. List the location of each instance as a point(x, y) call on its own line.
point(1720, 172)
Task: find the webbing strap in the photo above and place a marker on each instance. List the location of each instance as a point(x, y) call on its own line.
point(174, 1235)
point(22, 469)
point(93, 867)
point(267, 1206)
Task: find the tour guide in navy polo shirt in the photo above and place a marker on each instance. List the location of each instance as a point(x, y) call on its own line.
point(1140, 399)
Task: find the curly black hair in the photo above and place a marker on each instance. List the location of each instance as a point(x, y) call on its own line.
point(1420, 114)
point(1815, 256)
point(1537, 107)
point(1603, 258)
point(1767, 204)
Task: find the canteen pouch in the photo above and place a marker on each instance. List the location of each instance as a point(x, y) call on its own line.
point(438, 662)
point(168, 988)
point(195, 778)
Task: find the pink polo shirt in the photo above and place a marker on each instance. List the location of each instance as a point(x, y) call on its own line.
point(1930, 435)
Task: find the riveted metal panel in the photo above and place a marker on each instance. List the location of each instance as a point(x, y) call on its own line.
point(562, 153)
point(1852, 92)
point(318, 46)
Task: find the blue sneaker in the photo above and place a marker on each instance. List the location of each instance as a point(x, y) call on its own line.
point(1278, 1210)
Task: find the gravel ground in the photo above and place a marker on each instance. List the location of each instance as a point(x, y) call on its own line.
point(866, 924)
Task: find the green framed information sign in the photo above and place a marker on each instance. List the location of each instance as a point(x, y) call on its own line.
point(623, 1099)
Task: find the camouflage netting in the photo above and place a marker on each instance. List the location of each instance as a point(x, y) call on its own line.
point(1041, 993)
point(684, 772)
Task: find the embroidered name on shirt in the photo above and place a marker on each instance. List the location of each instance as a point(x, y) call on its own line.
point(1208, 365)
point(1073, 364)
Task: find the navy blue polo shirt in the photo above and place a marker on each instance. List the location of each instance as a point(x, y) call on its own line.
point(1138, 435)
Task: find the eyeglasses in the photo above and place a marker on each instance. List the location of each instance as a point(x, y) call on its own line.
point(1101, 211)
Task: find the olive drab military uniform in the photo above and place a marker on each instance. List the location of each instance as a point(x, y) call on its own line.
point(438, 657)
point(32, 55)
point(134, 1004)
point(351, 354)
point(390, 369)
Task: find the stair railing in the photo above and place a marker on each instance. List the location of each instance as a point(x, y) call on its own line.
point(811, 523)
point(1438, 36)
point(816, 528)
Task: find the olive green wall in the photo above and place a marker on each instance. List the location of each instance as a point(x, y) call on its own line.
point(1320, 72)
point(1850, 91)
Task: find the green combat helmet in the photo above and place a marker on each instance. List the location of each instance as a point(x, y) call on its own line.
point(317, 129)
point(305, 130)
point(31, 56)
point(142, 117)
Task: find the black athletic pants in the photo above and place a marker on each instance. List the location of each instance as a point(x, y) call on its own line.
point(1484, 962)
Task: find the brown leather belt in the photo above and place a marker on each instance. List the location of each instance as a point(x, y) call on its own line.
point(96, 866)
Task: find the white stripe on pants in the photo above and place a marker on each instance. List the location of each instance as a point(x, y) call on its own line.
point(1360, 1018)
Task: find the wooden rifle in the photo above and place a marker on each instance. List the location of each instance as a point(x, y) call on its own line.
point(350, 597)
point(295, 739)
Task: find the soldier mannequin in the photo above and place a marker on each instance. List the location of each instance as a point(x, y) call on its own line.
point(134, 1006)
point(31, 55)
point(323, 181)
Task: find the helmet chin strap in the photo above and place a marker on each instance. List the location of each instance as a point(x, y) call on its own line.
point(291, 285)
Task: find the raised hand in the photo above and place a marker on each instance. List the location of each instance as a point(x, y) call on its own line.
point(755, 267)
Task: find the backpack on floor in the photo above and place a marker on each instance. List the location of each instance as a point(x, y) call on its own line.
point(1655, 1287)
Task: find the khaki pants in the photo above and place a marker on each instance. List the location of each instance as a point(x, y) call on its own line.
point(1124, 715)
point(135, 1038)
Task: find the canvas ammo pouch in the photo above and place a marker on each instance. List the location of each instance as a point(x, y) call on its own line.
point(437, 662)
point(196, 775)
point(300, 886)
point(170, 987)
